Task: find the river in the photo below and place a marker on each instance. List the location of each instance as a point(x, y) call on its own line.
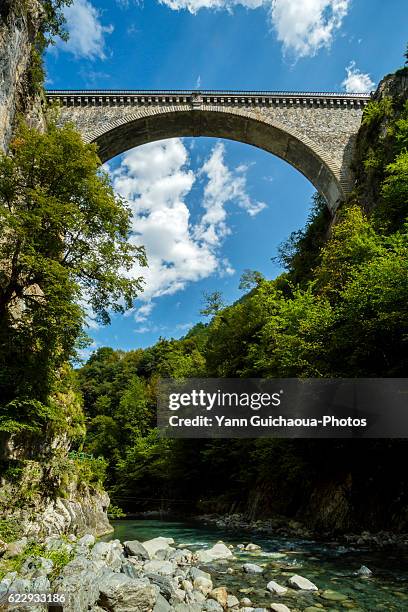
point(330, 566)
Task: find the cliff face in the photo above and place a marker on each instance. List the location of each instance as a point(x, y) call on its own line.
point(18, 26)
point(31, 503)
point(375, 143)
point(42, 490)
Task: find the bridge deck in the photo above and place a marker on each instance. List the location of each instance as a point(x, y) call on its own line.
point(113, 97)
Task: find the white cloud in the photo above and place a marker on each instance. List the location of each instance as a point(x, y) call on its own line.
point(305, 26)
point(142, 313)
point(302, 26)
point(156, 179)
point(86, 32)
point(223, 186)
point(195, 5)
point(357, 81)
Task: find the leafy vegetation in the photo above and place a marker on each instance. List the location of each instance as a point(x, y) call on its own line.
point(10, 530)
point(65, 236)
point(339, 310)
point(59, 558)
point(65, 243)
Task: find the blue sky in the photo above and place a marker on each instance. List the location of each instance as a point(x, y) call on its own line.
point(214, 208)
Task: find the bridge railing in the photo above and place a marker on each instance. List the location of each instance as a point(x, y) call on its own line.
point(107, 97)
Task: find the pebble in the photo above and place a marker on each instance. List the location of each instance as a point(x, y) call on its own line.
point(303, 584)
point(251, 568)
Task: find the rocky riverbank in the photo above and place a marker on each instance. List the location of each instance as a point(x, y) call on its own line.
point(281, 526)
point(159, 575)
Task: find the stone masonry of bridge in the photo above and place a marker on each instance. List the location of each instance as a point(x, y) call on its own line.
point(314, 132)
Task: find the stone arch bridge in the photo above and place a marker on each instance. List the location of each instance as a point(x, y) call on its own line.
point(314, 132)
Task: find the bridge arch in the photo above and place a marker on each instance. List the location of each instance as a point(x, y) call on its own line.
point(118, 136)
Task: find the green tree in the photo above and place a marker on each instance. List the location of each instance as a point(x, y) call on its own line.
point(65, 243)
point(212, 303)
point(250, 279)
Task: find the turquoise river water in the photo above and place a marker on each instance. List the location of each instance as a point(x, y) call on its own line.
point(330, 566)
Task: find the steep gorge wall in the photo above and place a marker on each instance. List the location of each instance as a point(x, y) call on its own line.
point(30, 494)
point(18, 27)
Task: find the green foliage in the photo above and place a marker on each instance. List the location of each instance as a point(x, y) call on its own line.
point(250, 279)
point(212, 303)
point(395, 190)
point(27, 415)
point(114, 512)
point(65, 239)
point(36, 72)
point(353, 241)
point(10, 530)
point(377, 111)
point(59, 557)
point(300, 254)
point(91, 472)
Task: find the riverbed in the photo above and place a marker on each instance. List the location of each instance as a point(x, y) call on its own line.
point(330, 566)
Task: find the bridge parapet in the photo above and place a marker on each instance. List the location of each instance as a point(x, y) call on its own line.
point(227, 98)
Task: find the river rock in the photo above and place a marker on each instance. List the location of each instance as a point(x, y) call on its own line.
point(3, 547)
point(79, 581)
point(364, 572)
point(192, 607)
point(111, 553)
point(181, 556)
point(166, 568)
point(203, 556)
point(197, 597)
point(218, 551)
point(212, 606)
point(276, 588)
point(252, 547)
point(119, 593)
point(134, 548)
point(204, 585)
point(179, 595)
point(232, 601)
point(187, 585)
point(245, 601)
point(39, 565)
point(333, 595)
point(279, 607)
point(166, 585)
point(132, 567)
point(15, 548)
point(86, 540)
point(252, 568)
point(220, 594)
point(196, 572)
point(161, 605)
point(160, 543)
point(302, 584)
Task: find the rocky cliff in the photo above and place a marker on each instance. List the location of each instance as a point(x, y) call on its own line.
point(42, 490)
point(18, 27)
